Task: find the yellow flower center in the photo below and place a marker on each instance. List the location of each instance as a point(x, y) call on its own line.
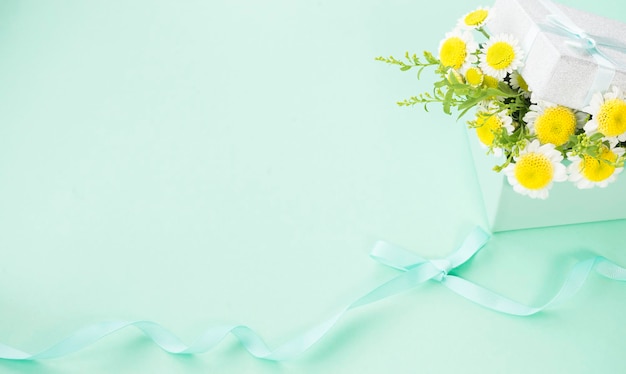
point(453, 52)
point(476, 17)
point(474, 76)
point(534, 171)
point(555, 125)
point(612, 117)
point(500, 55)
point(598, 169)
point(487, 125)
point(490, 81)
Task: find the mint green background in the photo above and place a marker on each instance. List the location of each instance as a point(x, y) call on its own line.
point(201, 162)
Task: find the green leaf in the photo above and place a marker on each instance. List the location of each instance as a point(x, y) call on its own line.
point(463, 112)
point(430, 58)
point(441, 83)
point(469, 103)
point(447, 102)
point(507, 90)
point(419, 72)
point(595, 137)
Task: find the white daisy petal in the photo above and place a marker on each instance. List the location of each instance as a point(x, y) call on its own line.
point(475, 19)
point(518, 83)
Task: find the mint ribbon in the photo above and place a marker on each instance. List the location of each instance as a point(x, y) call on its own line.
point(562, 25)
point(415, 271)
point(404, 260)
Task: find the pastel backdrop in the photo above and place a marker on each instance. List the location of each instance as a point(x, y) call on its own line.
point(205, 162)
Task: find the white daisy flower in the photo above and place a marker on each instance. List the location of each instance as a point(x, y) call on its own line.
point(457, 50)
point(536, 169)
point(489, 123)
point(501, 55)
point(475, 19)
point(608, 113)
point(553, 123)
point(518, 83)
point(587, 171)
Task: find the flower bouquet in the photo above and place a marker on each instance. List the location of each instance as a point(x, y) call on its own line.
point(538, 142)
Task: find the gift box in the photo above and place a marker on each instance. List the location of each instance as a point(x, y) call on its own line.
point(509, 210)
point(570, 54)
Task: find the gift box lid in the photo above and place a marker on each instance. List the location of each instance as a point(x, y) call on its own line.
point(557, 67)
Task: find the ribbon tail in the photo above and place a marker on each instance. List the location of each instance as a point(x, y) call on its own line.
point(610, 43)
point(610, 270)
point(400, 283)
point(77, 341)
point(487, 298)
point(575, 280)
point(494, 301)
point(249, 339)
point(10, 353)
point(303, 342)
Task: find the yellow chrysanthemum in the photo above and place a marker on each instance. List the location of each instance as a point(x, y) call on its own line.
point(457, 50)
point(500, 56)
point(474, 76)
point(486, 127)
point(488, 124)
point(555, 125)
point(535, 170)
point(598, 169)
point(587, 171)
point(608, 113)
point(552, 123)
point(612, 117)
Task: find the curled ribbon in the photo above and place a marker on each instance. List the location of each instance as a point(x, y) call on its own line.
point(416, 270)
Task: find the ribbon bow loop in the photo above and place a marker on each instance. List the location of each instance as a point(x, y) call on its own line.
point(399, 258)
point(443, 265)
point(571, 30)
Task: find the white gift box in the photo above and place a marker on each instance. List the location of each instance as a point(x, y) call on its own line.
point(567, 57)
